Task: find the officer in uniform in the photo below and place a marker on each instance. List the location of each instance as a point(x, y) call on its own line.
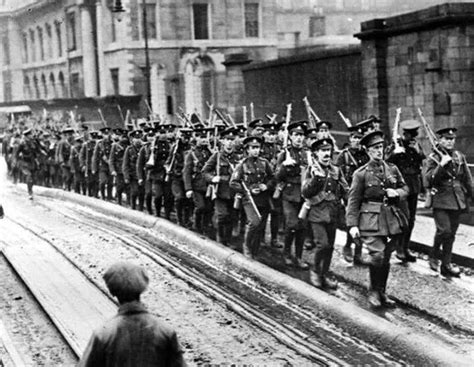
point(290, 166)
point(324, 188)
point(175, 165)
point(194, 181)
point(253, 178)
point(78, 183)
point(374, 213)
point(85, 159)
point(100, 163)
point(408, 157)
point(129, 169)
point(349, 160)
point(448, 179)
point(217, 172)
point(63, 154)
point(117, 153)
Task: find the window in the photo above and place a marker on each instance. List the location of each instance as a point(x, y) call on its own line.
point(150, 10)
point(6, 51)
point(113, 29)
point(33, 45)
point(71, 31)
point(41, 43)
point(201, 21)
point(24, 39)
point(7, 86)
point(114, 74)
point(251, 19)
point(59, 39)
point(76, 90)
point(49, 40)
point(317, 26)
point(169, 105)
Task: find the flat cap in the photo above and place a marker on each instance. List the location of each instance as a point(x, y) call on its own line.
point(126, 279)
point(372, 138)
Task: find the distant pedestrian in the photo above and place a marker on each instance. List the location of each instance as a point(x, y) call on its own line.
point(134, 337)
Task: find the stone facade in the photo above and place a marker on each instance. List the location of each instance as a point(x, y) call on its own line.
point(423, 60)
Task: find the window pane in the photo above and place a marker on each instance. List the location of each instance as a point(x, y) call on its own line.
point(251, 19)
point(201, 30)
point(71, 31)
point(150, 21)
point(59, 39)
point(6, 51)
point(114, 74)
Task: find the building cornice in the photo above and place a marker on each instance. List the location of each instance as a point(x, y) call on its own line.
point(452, 14)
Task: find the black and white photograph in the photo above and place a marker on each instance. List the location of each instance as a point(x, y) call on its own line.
point(236, 183)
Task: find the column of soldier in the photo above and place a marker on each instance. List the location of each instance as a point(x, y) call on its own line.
point(218, 177)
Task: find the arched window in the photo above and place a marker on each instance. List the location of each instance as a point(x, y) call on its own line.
point(32, 45)
point(199, 84)
point(40, 43)
point(52, 86)
point(59, 40)
point(44, 86)
point(36, 87)
point(49, 40)
point(24, 39)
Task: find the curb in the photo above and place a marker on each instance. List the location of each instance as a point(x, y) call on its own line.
point(457, 258)
point(398, 341)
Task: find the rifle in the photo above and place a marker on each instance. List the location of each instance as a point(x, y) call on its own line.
point(121, 115)
point(311, 119)
point(222, 117)
point(251, 200)
point(252, 112)
point(345, 119)
point(288, 160)
point(430, 134)
point(244, 111)
point(395, 135)
point(169, 167)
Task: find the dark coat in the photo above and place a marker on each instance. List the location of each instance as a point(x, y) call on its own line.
point(289, 177)
point(132, 338)
point(100, 158)
point(192, 171)
point(222, 164)
point(366, 208)
point(129, 165)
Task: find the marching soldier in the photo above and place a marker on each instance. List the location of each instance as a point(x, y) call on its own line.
point(270, 151)
point(324, 187)
point(129, 169)
point(27, 156)
point(290, 166)
point(63, 154)
point(253, 178)
point(217, 172)
point(117, 153)
point(195, 182)
point(374, 213)
point(349, 161)
point(175, 165)
point(75, 164)
point(449, 181)
point(409, 160)
point(85, 159)
point(100, 163)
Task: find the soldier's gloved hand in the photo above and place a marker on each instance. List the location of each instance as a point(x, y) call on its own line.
point(263, 187)
point(140, 182)
point(189, 194)
point(445, 159)
point(216, 179)
point(354, 232)
point(391, 193)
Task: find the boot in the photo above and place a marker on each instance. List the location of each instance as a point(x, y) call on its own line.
point(347, 253)
point(274, 243)
point(220, 235)
point(374, 296)
point(325, 265)
point(301, 265)
point(315, 279)
point(409, 256)
point(149, 209)
point(329, 283)
point(246, 248)
point(384, 299)
point(450, 271)
point(434, 264)
point(288, 242)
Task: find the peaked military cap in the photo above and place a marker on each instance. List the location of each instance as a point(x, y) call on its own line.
point(230, 132)
point(124, 279)
point(79, 138)
point(372, 138)
point(312, 133)
point(241, 130)
point(67, 130)
point(186, 131)
point(256, 123)
point(322, 143)
point(105, 129)
point(356, 131)
point(447, 132)
point(135, 134)
point(410, 124)
point(94, 134)
point(252, 140)
point(271, 127)
point(323, 124)
point(297, 126)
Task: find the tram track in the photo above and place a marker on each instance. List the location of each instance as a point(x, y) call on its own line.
point(302, 340)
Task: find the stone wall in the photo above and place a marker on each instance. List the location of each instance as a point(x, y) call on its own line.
point(423, 60)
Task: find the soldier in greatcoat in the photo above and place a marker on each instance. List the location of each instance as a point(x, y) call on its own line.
point(374, 213)
point(129, 169)
point(117, 153)
point(100, 163)
point(448, 179)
